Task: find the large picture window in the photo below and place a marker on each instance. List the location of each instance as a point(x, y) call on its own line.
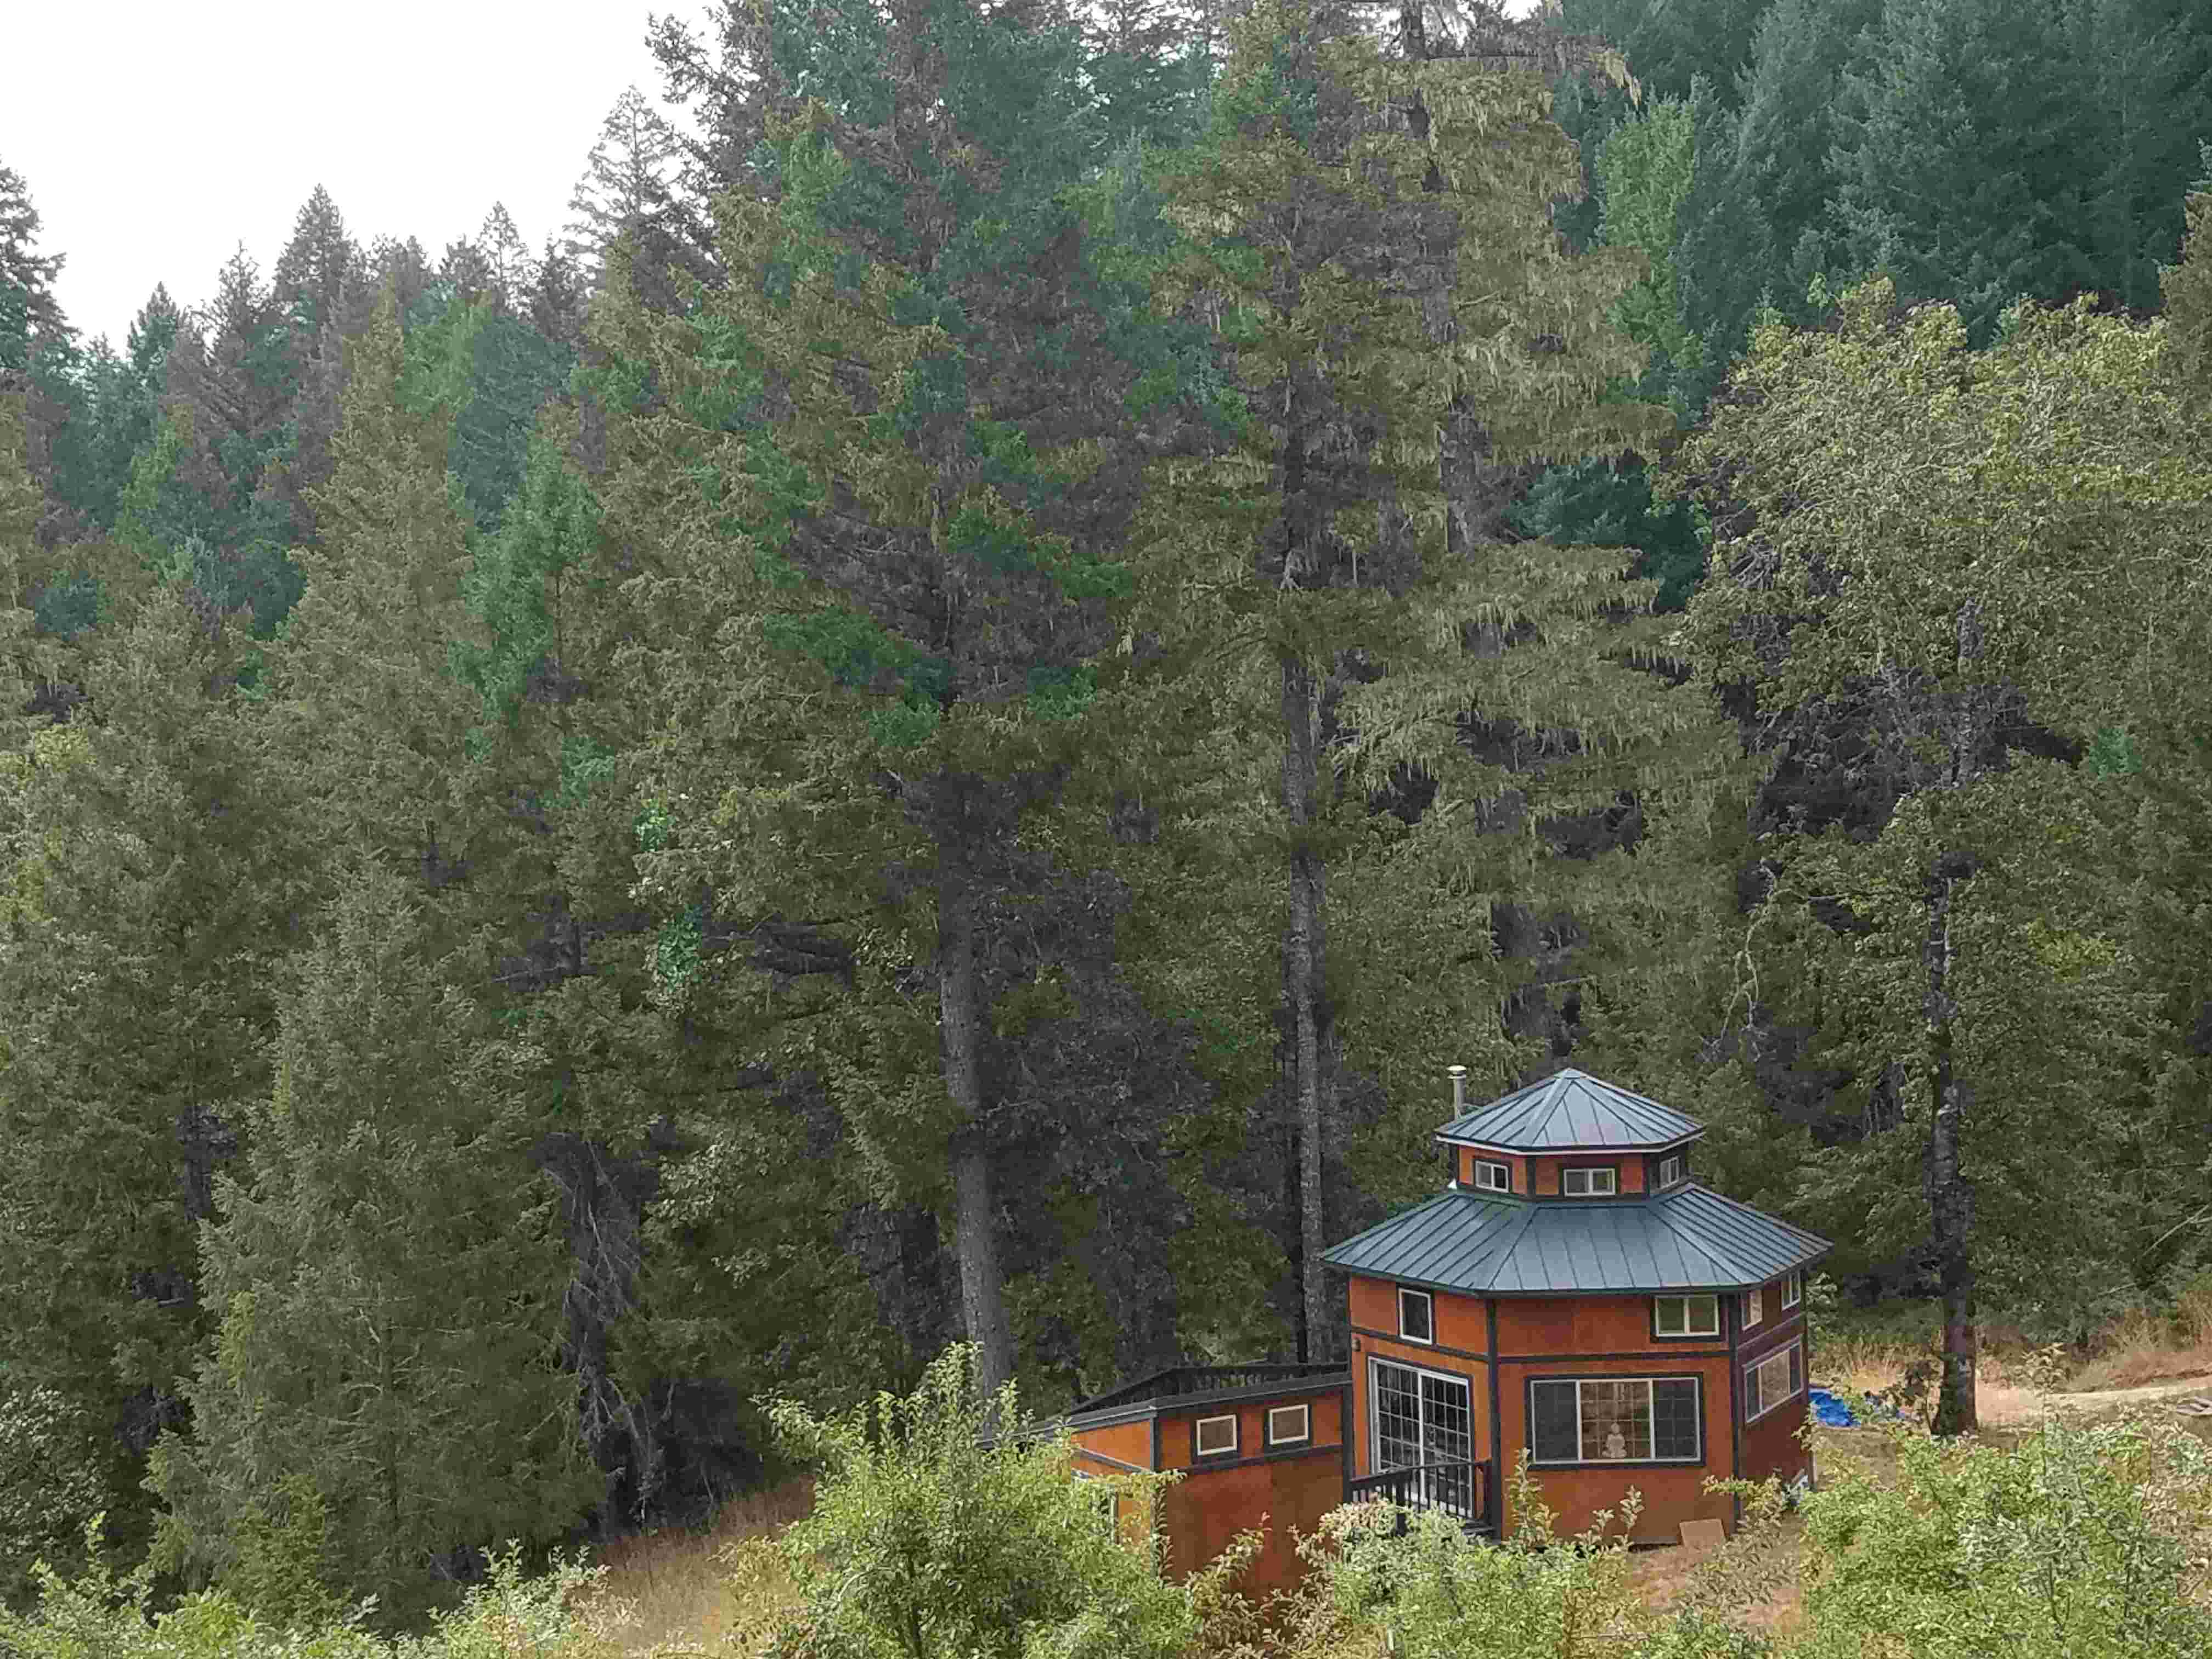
point(1614, 1419)
point(1685, 1316)
point(1774, 1380)
point(1423, 1419)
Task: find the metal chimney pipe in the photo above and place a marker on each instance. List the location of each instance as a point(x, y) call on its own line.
point(1459, 1088)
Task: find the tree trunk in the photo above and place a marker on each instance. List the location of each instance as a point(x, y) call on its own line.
point(1304, 953)
point(974, 1212)
point(1950, 1193)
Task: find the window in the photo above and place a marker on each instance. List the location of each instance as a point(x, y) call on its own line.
point(1685, 1316)
point(1614, 1419)
point(1217, 1435)
point(1416, 1317)
point(1670, 1168)
point(1287, 1426)
point(1792, 1290)
point(1422, 1421)
point(1750, 1306)
point(1768, 1382)
point(1587, 1183)
point(1495, 1178)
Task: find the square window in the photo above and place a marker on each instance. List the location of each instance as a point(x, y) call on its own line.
point(1416, 1317)
point(1750, 1306)
point(1588, 1183)
point(1493, 1177)
point(1792, 1290)
point(1770, 1381)
point(1616, 1421)
point(1670, 1168)
point(1217, 1435)
point(1289, 1425)
point(1685, 1316)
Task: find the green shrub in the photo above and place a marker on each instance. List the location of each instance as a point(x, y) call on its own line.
point(927, 1543)
point(51, 1484)
point(2073, 1546)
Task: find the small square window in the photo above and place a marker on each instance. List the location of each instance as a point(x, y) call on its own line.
point(1587, 1183)
point(1685, 1316)
point(1752, 1313)
point(1416, 1317)
point(1493, 1177)
point(1792, 1290)
point(1670, 1168)
point(1289, 1425)
point(1217, 1435)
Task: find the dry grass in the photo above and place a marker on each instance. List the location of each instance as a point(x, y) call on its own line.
point(673, 1588)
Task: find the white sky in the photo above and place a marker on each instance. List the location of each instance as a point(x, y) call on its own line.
point(156, 137)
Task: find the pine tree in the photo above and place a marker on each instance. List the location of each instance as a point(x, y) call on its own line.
point(510, 271)
point(31, 320)
point(627, 181)
point(382, 1293)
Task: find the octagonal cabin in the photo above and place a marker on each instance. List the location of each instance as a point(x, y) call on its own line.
point(1575, 1290)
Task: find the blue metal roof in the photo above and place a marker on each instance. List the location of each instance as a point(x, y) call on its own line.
point(1687, 1238)
point(1571, 1111)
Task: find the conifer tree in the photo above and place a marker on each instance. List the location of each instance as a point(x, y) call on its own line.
point(367, 700)
point(1343, 544)
point(151, 873)
point(981, 353)
point(509, 269)
point(1981, 993)
point(382, 1296)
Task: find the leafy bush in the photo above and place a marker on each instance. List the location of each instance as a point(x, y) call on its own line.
point(928, 1543)
point(2076, 1544)
point(51, 1484)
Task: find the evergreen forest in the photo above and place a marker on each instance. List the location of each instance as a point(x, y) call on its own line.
point(933, 724)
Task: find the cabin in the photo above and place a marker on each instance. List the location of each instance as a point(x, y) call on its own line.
point(1573, 1290)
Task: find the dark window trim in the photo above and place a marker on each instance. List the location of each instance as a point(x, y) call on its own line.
point(1528, 1420)
point(1236, 1436)
point(1797, 1275)
point(1428, 1341)
point(1373, 1438)
point(1614, 1170)
point(1652, 1182)
point(1781, 1351)
point(1720, 1326)
point(1303, 1437)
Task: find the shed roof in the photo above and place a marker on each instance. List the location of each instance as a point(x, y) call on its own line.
point(1688, 1239)
point(1571, 1111)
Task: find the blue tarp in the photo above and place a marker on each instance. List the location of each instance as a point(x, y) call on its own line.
point(1830, 1410)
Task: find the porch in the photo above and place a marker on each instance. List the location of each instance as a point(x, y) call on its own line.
point(1460, 1488)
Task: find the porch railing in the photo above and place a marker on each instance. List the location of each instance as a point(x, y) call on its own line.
point(1460, 1489)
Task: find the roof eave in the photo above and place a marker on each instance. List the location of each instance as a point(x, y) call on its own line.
point(1537, 1152)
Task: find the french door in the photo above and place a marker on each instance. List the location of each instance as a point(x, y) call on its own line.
point(1423, 1419)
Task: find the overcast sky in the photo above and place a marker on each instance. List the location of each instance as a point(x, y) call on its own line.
point(155, 138)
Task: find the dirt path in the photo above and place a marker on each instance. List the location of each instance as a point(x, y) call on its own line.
point(2200, 1383)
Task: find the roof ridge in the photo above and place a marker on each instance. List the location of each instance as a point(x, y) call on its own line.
point(1658, 1212)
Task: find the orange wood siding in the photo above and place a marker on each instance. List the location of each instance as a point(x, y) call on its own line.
point(1569, 1325)
point(1457, 1321)
point(1178, 1430)
point(1202, 1513)
point(1125, 1443)
point(1671, 1492)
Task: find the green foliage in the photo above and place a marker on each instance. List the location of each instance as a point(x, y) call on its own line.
point(2072, 1545)
point(54, 1478)
point(924, 1542)
point(375, 1285)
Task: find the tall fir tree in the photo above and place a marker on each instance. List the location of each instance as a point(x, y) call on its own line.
point(1344, 550)
point(381, 1293)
